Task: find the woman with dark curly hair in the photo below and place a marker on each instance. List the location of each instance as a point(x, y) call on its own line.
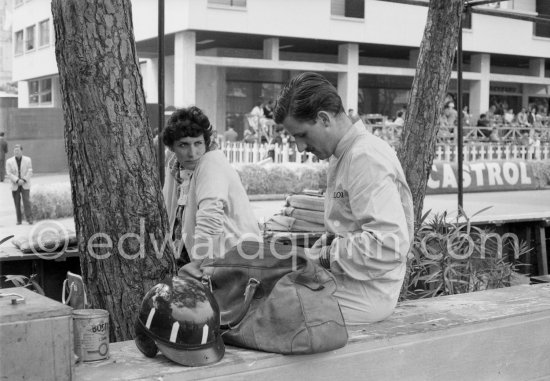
point(207, 205)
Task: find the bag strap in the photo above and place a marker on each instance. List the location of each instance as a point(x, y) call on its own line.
point(63, 299)
point(249, 292)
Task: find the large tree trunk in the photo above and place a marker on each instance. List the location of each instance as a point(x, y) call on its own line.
point(433, 72)
point(429, 88)
point(113, 167)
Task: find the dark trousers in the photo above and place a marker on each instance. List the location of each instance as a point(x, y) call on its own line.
point(2, 170)
point(17, 195)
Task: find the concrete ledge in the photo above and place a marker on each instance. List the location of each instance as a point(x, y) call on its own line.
point(485, 335)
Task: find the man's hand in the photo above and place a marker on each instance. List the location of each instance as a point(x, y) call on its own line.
point(191, 270)
point(319, 253)
point(20, 182)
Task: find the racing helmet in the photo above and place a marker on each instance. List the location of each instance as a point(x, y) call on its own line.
point(181, 318)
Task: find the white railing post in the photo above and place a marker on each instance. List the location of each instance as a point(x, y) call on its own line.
point(467, 153)
point(507, 152)
point(439, 152)
point(246, 153)
point(482, 152)
point(498, 151)
point(474, 152)
point(514, 152)
point(537, 152)
point(448, 153)
point(255, 152)
point(285, 153)
point(262, 152)
point(530, 152)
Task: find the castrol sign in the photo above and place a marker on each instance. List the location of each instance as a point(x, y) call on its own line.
point(482, 176)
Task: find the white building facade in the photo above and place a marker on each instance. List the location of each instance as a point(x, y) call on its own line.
point(225, 55)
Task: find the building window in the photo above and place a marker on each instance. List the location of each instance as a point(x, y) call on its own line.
point(543, 10)
point(44, 28)
point(467, 20)
point(30, 38)
point(348, 8)
point(40, 91)
point(228, 3)
point(19, 42)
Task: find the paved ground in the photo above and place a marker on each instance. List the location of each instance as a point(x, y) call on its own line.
point(262, 209)
point(518, 205)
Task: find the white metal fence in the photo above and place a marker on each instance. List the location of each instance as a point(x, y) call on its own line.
point(240, 152)
point(489, 151)
point(243, 153)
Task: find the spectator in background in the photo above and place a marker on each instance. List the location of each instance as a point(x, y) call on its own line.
point(257, 110)
point(268, 109)
point(494, 137)
point(532, 116)
point(3, 152)
point(230, 135)
point(483, 121)
point(450, 114)
point(526, 138)
point(490, 114)
point(466, 116)
point(250, 136)
point(399, 121)
point(19, 170)
point(522, 117)
point(509, 116)
point(499, 109)
point(277, 140)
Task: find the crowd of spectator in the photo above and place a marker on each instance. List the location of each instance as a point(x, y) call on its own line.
point(499, 124)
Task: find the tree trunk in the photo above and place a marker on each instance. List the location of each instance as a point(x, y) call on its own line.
point(433, 72)
point(120, 216)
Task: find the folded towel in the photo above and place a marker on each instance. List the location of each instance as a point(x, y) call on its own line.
point(291, 224)
point(308, 202)
point(317, 217)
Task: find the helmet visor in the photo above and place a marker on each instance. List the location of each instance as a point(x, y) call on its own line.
point(204, 355)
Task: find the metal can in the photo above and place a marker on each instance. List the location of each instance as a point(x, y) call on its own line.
point(91, 334)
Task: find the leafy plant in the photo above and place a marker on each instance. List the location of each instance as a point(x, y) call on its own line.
point(52, 201)
point(281, 178)
point(28, 282)
point(454, 257)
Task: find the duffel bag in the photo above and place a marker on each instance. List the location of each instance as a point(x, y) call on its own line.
point(273, 298)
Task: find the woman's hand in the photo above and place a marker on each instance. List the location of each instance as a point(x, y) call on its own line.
point(191, 270)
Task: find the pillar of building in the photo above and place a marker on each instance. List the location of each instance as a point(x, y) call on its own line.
point(348, 81)
point(184, 69)
point(479, 89)
point(211, 92)
point(23, 94)
point(413, 57)
point(271, 49)
point(536, 67)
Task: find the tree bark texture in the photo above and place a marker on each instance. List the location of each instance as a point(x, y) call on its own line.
point(120, 216)
point(433, 72)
